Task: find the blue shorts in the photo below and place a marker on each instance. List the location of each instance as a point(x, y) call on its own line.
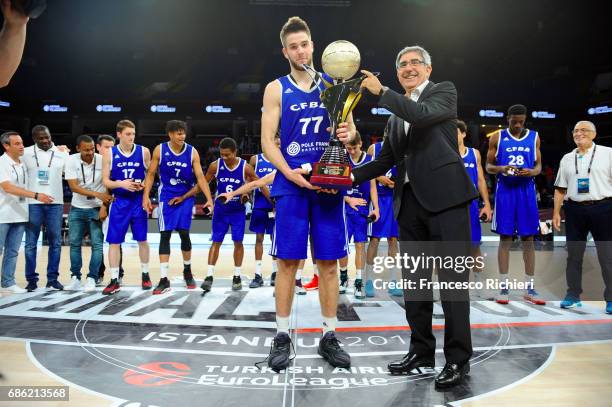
point(516, 210)
point(224, 218)
point(357, 225)
point(475, 223)
point(124, 213)
point(260, 222)
point(175, 217)
point(386, 226)
point(321, 215)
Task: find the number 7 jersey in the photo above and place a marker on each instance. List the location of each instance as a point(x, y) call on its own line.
point(127, 166)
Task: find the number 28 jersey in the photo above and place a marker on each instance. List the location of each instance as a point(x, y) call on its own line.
point(303, 129)
point(127, 166)
point(520, 153)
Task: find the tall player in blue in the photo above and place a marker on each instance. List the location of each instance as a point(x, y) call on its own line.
point(231, 172)
point(180, 178)
point(123, 172)
point(473, 166)
point(360, 203)
point(293, 102)
point(386, 226)
point(514, 156)
point(262, 220)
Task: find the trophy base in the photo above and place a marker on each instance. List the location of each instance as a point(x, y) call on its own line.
point(332, 176)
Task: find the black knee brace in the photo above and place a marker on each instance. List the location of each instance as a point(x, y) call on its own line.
point(164, 242)
point(185, 240)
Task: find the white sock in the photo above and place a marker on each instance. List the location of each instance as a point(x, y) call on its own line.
point(530, 280)
point(315, 269)
point(298, 274)
point(258, 267)
point(114, 272)
point(329, 324)
point(211, 270)
point(237, 271)
point(274, 266)
point(282, 324)
point(144, 268)
point(163, 269)
point(187, 262)
point(358, 274)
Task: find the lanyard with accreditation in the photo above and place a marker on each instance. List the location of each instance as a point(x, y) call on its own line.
point(583, 183)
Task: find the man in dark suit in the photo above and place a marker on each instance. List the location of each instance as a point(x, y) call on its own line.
point(431, 198)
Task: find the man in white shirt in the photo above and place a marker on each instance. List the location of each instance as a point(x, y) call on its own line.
point(13, 206)
point(45, 166)
point(584, 182)
point(84, 176)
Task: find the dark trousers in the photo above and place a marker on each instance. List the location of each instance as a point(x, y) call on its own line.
point(435, 232)
point(579, 221)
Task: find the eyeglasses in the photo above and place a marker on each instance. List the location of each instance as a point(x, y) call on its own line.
point(413, 63)
point(576, 131)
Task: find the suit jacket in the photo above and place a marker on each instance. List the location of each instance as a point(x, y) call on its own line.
point(429, 153)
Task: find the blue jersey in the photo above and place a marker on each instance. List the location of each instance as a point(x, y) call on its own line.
point(176, 175)
point(263, 167)
point(303, 133)
point(362, 190)
point(471, 165)
point(127, 166)
point(229, 180)
point(392, 173)
point(520, 153)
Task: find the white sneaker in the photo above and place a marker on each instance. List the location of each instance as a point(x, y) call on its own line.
point(75, 284)
point(15, 289)
point(90, 285)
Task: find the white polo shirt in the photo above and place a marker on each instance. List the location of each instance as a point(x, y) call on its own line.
point(88, 176)
point(600, 177)
point(13, 209)
point(45, 169)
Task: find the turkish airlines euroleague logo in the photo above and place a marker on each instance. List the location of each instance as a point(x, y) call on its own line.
point(156, 374)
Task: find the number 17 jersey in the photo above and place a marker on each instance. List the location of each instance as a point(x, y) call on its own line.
point(127, 166)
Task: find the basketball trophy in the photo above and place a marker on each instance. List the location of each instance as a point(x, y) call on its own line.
point(341, 61)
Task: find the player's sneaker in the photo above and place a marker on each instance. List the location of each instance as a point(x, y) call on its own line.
point(299, 288)
point(312, 284)
point(236, 283)
point(75, 284)
point(146, 282)
point(121, 272)
point(329, 348)
point(207, 284)
point(570, 302)
point(359, 294)
point(32, 286)
point(190, 282)
point(273, 279)
point(395, 292)
point(256, 282)
point(533, 297)
point(503, 297)
point(344, 282)
point(280, 353)
point(14, 289)
point(369, 289)
point(162, 287)
point(112, 287)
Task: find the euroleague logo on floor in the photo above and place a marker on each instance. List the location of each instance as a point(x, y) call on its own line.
point(156, 374)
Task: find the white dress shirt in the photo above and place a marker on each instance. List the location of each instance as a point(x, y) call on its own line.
point(414, 96)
